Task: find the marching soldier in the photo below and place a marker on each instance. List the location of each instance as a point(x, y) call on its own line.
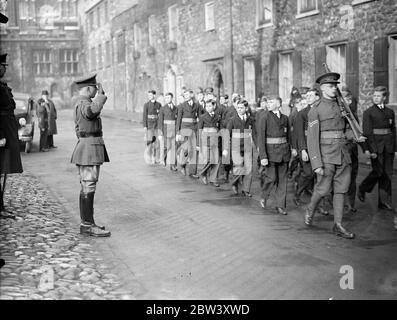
point(328, 152)
point(186, 128)
point(241, 128)
point(200, 101)
point(42, 116)
point(90, 151)
point(52, 119)
point(167, 122)
point(380, 129)
point(151, 111)
point(10, 158)
point(275, 154)
point(208, 142)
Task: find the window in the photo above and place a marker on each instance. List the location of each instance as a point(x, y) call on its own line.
point(137, 37)
point(209, 16)
point(42, 62)
point(108, 56)
point(93, 59)
point(106, 13)
point(336, 61)
point(68, 61)
point(120, 48)
point(170, 82)
point(307, 7)
point(91, 21)
point(150, 30)
point(393, 69)
point(173, 22)
point(264, 13)
point(285, 75)
point(12, 13)
point(98, 15)
point(249, 80)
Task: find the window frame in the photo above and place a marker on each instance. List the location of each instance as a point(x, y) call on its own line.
point(392, 64)
point(72, 62)
point(259, 6)
point(290, 76)
point(40, 62)
point(173, 22)
point(332, 46)
point(305, 13)
point(207, 11)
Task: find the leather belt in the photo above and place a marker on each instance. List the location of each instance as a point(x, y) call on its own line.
point(332, 135)
point(169, 121)
point(241, 135)
point(152, 116)
point(82, 134)
point(382, 131)
point(279, 140)
point(212, 130)
point(190, 120)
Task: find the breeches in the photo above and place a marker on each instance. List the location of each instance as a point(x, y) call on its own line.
point(89, 176)
point(336, 177)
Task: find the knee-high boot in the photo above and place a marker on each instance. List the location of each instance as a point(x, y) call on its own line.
point(338, 204)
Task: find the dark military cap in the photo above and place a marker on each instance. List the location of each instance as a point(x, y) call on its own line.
point(330, 77)
point(3, 18)
point(86, 81)
point(3, 59)
point(303, 90)
point(44, 92)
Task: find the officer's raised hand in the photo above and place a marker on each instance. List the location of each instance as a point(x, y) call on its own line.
point(100, 88)
point(264, 162)
point(2, 142)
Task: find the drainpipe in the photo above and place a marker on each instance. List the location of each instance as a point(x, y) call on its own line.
point(231, 43)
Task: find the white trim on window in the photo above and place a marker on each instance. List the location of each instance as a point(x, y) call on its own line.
point(307, 13)
point(259, 9)
point(209, 12)
point(356, 2)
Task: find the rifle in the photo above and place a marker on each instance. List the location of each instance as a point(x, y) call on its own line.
point(347, 113)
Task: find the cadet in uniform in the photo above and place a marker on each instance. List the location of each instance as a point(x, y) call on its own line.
point(186, 128)
point(167, 122)
point(90, 151)
point(380, 129)
point(42, 117)
point(208, 142)
point(328, 152)
point(241, 128)
point(10, 158)
point(275, 154)
point(151, 111)
point(200, 101)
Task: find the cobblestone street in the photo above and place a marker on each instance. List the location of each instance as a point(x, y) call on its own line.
point(45, 256)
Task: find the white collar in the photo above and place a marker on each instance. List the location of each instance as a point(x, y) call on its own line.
point(277, 113)
point(244, 117)
point(381, 106)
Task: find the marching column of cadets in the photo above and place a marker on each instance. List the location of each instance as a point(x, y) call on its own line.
point(215, 141)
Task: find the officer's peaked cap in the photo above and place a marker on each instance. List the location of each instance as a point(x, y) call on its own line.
point(86, 81)
point(3, 18)
point(330, 77)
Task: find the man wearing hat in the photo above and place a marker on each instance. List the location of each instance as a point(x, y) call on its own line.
point(328, 152)
point(52, 117)
point(10, 158)
point(90, 151)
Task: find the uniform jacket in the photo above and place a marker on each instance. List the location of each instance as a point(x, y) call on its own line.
point(271, 126)
point(42, 115)
point(229, 113)
point(187, 111)
point(206, 121)
point(374, 118)
point(52, 117)
point(326, 116)
point(291, 120)
point(10, 158)
point(201, 106)
point(151, 109)
point(235, 123)
point(91, 150)
point(166, 113)
point(300, 128)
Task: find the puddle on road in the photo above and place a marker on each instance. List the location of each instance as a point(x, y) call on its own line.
point(369, 244)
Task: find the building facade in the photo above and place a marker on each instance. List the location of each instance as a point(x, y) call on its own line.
point(42, 39)
point(252, 47)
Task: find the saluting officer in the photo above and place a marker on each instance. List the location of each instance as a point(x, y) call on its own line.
point(275, 154)
point(380, 129)
point(328, 152)
point(167, 123)
point(151, 111)
point(90, 151)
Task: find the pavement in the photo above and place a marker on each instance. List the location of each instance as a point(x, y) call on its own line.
point(175, 238)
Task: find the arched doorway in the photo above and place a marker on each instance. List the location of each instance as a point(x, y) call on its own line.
point(215, 80)
point(54, 90)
